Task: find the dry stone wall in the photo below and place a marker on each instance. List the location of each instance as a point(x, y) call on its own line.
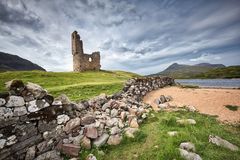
point(35, 125)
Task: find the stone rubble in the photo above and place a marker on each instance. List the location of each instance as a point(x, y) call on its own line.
point(222, 143)
point(35, 125)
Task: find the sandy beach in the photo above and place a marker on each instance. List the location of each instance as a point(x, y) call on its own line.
point(207, 100)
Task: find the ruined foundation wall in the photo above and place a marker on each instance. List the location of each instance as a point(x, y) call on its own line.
point(81, 61)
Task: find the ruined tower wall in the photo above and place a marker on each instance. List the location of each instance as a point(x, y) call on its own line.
point(81, 61)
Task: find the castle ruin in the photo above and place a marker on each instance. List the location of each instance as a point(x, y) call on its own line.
point(81, 61)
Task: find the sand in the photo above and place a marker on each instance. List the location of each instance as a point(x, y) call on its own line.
point(207, 100)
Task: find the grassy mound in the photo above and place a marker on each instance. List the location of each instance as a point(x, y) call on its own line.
point(153, 142)
point(76, 86)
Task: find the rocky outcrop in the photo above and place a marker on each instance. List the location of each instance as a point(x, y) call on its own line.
point(35, 125)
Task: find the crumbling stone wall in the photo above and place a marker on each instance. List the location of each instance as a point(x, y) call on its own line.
point(35, 125)
point(81, 61)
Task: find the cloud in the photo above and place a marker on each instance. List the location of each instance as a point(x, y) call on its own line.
point(17, 13)
point(139, 36)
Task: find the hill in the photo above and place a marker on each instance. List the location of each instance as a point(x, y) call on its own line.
point(77, 86)
point(227, 72)
point(9, 62)
point(189, 71)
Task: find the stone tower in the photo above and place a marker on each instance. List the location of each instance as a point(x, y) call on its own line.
point(81, 61)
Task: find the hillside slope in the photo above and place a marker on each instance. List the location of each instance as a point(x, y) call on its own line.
point(227, 72)
point(77, 86)
point(9, 62)
point(188, 71)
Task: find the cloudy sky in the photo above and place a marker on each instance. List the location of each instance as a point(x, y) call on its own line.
point(142, 36)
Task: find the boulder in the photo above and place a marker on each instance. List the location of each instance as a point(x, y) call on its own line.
point(36, 105)
point(123, 115)
point(191, 108)
point(114, 130)
point(172, 133)
point(134, 123)
point(129, 132)
point(189, 155)
point(37, 91)
point(114, 139)
point(2, 102)
point(101, 140)
point(53, 155)
point(11, 140)
point(19, 111)
point(114, 113)
point(186, 121)
point(62, 119)
point(31, 152)
point(63, 98)
point(15, 101)
point(71, 124)
point(188, 146)
point(5, 112)
point(91, 157)
point(86, 143)
point(88, 119)
point(16, 87)
point(71, 150)
point(91, 132)
point(2, 143)
point(222, 143)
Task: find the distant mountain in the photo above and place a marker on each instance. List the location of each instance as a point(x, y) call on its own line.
point(188, 71)
point(9, 62)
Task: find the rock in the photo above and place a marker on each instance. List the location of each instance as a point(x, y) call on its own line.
point(168, 98)
point(63, 98)
point(105, 106)
point(222, 142)
point(91, 157)
point(37, 91)
point(56, 103)
point(15, 101)
point(86, 143)
point(101, 140)
point(71, 124)
point(114, 112)
point(191, 108)
point(76, 140)
point(5, 112)
point(88, 119)
point(15, 86)
point(114, 130)
point(91, 132)
point(48, 98)
point(129, 132)
point(30, 155)
point(36, 105)
point(112, 122)
point(186, 121)
point(188, 146)
point(2, 101)
point(70, 149)
point(162, 99)
point(123, 115)
point(11, 140)
point(163, 105)
point(114, 139)
point(172, 133)
point(189, 155)
point(50, 155)
point(19, 111)
point(62, 119)
point(2, 143)
point(134, 123)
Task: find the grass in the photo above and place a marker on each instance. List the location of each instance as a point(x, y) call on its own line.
point(77, 86)
point(153, 143)
point(231, 107)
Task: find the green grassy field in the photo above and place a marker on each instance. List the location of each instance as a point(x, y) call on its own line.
point(153, 142)
point(77, 86)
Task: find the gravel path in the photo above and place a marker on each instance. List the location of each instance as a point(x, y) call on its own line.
point(208, 101)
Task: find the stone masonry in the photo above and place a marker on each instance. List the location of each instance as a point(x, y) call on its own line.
point(81, 61)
